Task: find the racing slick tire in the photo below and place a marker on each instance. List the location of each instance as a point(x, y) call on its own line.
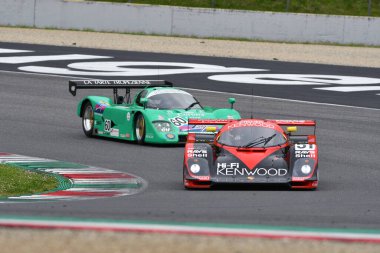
point(140, 129)
point(88, 119)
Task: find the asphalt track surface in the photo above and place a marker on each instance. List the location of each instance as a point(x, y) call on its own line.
point(38, 119)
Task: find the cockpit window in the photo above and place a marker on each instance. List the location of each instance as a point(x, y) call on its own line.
point(142, 94)
point(172, 99)
point(251, 136)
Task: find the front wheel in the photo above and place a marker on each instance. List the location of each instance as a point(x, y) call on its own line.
point(88, 120)
point(140, 129)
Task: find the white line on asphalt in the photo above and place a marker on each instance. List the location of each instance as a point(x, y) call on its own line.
point(210, 91)
point(33, 58)
point(13, 51)
point(351, 88)
point(283, 99)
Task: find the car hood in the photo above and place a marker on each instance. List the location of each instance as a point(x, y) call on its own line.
point(260, 165)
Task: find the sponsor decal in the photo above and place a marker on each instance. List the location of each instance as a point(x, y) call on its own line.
point(286, 121)
point(204, 178)
point(305, 151)
point(117, 82)
point(114, 132)
point(178, 121)
point(149, 136)
point(127, 136)
point(233, 169)
point(304, 154)
point(170, 136)
point(100, 132)
point(193, 115)
point(247, 123)
point(128, 116)
point(122, 135)
point(196, 153)
point(99, 107)
point(107, 126)
point(160, 117)
point(198, 128)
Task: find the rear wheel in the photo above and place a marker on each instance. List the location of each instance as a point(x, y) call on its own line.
point(88, 119)
point(140, 129)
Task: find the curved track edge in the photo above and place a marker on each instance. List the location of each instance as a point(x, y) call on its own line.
point(204, 229)
point(76, 181)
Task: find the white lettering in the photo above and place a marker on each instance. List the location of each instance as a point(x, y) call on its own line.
point(294, 79)
point(305, 147)
point(121, 69)
point(232, 169)
point(245, 123)
point(351, 89)
point(197, 153)
point(305, 154)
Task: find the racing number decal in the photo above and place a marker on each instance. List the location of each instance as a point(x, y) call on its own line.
point(305, 147)
point(107, 125)
point(178, 121)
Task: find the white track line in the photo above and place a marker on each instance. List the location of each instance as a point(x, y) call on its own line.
point(282, 99)
point(210, 91)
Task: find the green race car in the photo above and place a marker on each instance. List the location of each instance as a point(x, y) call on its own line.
point(158, 113)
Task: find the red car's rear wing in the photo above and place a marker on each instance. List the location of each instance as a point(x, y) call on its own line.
point(209, 121)
point(293, 122)
point(303, 136)
point(203, 130)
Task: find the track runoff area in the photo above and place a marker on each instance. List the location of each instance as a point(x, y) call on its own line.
point(323, 85)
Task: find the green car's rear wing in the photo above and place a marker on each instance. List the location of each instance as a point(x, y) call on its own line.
point(74, 85)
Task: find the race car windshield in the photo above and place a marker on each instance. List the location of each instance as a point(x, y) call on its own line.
point(251, 137)
point(166, 101)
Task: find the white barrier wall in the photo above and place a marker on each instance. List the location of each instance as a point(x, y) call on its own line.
point(134, 18)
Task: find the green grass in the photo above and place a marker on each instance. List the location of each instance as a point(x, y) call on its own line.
point(334, 7)
point(15, 181)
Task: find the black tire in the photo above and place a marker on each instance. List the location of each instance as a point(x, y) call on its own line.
point(88, 119)
point(140, 129)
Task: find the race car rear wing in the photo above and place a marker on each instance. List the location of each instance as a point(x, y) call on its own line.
point(285, 122)
point(74, 85)
point(210, 121)
point(206, 126)
point(204, 130)
point(303, 135)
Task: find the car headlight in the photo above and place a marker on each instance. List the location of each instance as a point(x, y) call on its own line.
point(306, 169)
point(195, 168)
point(162, 126)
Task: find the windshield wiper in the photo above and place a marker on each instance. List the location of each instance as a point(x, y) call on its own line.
point(191, 105)
point(259, 141)
point(268, 139)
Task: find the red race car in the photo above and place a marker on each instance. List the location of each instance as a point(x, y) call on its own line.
point(251, 152)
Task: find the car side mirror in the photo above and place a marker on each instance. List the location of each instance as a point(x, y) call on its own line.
point(232, 102)
point(144, 102)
